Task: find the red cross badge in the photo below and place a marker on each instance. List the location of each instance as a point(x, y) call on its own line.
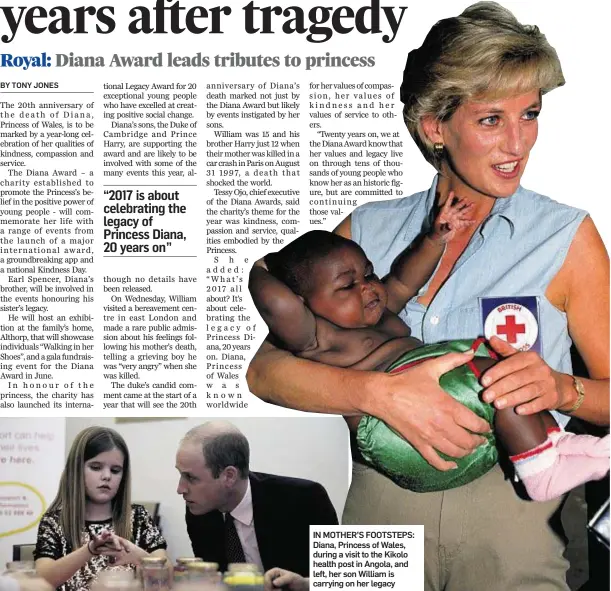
point(515, 320)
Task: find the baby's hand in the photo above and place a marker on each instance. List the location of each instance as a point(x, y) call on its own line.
point(455, 214)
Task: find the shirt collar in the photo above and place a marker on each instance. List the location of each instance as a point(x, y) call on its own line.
point(504, 208)
point(243, 512)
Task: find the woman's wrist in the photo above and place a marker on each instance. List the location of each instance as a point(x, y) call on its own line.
point(372, 390)
point(571, 393)
point(362, 394)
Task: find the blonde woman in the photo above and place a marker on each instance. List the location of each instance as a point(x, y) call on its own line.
point(472, 95)
point(92, 525)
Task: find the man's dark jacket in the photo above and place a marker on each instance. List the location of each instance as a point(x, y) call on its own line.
point(283, 510)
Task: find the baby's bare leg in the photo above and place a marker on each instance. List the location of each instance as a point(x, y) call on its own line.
point(518, 433)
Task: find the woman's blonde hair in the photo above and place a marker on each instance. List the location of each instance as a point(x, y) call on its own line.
point(71, 496)
point(484, 52)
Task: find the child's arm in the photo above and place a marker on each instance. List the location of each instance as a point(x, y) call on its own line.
point(415, 265)
point(284, 312)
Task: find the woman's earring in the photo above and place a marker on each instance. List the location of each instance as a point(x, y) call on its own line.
point(438, 149)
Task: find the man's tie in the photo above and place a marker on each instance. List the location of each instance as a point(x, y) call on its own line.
point(233, 547)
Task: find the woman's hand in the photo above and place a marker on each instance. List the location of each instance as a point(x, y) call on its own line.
point(429, 418)
point(521, 380)
point(412, 403)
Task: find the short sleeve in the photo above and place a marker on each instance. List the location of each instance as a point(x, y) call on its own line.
point(145, 533)
point(49, 538)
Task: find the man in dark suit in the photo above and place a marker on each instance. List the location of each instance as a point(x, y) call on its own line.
point(234, 515)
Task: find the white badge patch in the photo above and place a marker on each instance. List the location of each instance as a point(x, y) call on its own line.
point(513, 323)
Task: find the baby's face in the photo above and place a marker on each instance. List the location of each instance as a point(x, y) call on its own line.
point(346, 291)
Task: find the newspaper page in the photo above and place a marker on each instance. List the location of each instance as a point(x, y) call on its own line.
point(151, 152)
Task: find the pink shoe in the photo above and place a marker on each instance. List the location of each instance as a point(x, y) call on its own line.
point(569, 444)
point(562, 462)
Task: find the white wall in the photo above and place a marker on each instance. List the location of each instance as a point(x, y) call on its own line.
point(308, 447)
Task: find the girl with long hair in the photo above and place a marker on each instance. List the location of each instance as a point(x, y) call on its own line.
point(91, 524)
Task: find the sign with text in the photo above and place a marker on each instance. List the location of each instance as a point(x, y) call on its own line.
point(32, 453)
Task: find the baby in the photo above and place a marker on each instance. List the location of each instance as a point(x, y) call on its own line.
point(321, 300)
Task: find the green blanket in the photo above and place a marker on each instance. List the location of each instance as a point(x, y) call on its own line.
point(394, 457)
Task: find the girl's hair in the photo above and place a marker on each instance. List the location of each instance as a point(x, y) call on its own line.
point(71, 496)
point(294, 264)
point(484, 53)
